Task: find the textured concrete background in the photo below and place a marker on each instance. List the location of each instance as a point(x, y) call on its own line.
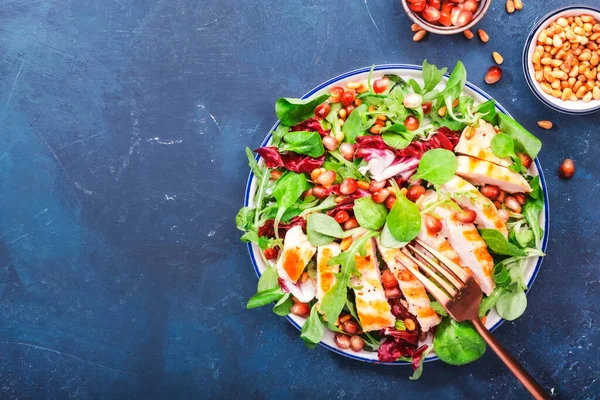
point(122, 126)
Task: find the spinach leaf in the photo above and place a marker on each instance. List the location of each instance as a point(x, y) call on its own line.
point(356, 124)
point(283, 306)
point(287, 191)
point(437, 166)
point(511, 304)
point(313, 329)
point(524, 140)
point(487, 111)
point(321, 229)
point(256, 170)
point(370, 215)
point(397, 136)
point(387, 240)
point(457, 343)
point(265, 297)
point(404, 219)
point(415, 86)
point(244, 219)
point(503, 146)
point(268, 280)
point(488, 302)
point(327, 204)
point(500, 275)
point(278, 134)
point(308, 143)
point(524, 236)
point(533, 207)
point(455, 84)
point(499, 245)
point(419, 371)
point(293, 111)
point(431, 76)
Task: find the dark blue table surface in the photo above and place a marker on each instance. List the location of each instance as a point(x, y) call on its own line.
point(123, 125)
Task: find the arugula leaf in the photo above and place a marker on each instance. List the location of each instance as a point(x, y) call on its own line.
point(313, 329)
point(431, 76)
point(265, 297)
point(293, 111)
point(511, 304)
point(415, 86)
point(249, 237)
point(308, 143)
point(419, 371)
point(256, 170)
point(524, 140)
point(268, 280)
point(455, 84)
point(457, 343)
point(370, 341)
point(488, 302)
point(321, 229)
point(503, 146)
point(278, 134)
point(287, 191)
point(404, 219)
point(370, 215)
point(283, 306)
point(499, 245)
point(437, 166)
point(397, 136)
point(487, 111)
point(395, 80)
point(356, 124)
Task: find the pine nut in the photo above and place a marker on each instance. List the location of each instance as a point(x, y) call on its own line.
point(497, 57)
point(545, 124)
point(518, 4)
point(353, 85)
point(483, 35)
point(468, 34)
point(596, 93)
point(419, 35)
point(587, 97)
point(415, 28)
point(442, 111)
point(510, 6)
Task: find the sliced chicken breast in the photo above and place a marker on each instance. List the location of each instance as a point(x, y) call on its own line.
point(372, 307)
point(481, 172)
point(412, 289)
point(467, 196)
point(476, 141)
point(465, 240)
point(297, 252)
point(325, 272)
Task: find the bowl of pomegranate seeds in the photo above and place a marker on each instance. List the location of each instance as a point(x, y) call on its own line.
point(446, 17)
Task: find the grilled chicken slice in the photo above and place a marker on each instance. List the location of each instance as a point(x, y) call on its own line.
point(297, 252)
point(325, 272)
point(467, 196)
point(465, 240)
point(412, 289)
point(476, 141)
point(372, 307)
point(481, 172)
point(437, 241)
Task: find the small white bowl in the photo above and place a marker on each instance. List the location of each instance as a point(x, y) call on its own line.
point(567, 107)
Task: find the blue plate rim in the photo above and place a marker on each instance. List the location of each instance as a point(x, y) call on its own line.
point(524, 60)
point(414, 68)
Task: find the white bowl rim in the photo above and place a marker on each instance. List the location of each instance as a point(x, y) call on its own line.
point(550, 101)
point(396, 67)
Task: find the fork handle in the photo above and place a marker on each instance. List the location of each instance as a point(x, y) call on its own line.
point(515, 366)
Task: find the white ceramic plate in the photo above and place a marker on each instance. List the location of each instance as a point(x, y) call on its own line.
point(567, 107)
point(405, 71)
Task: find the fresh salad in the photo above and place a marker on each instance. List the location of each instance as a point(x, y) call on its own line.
point(354, 174)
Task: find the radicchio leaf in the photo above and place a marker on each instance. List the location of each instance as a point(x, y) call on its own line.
point(390, 350)
point(289, 160)
point(416, 357)
point(311, 125)
point(268, 228)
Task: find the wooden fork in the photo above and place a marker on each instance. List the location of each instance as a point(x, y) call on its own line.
point(460, 297)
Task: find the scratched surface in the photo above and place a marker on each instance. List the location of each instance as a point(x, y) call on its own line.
point(122, 128)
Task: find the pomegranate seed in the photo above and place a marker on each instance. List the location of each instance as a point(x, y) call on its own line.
point(348, 186)
point(418, 6)
point(348, 98)
point(270, 253)
point(437, 4)
point(433, 224)
point(411, 123)
point(501, 196)
point(470, 5)
point(275, 174)
point(388, 279)
point(341, 216)
point(445, 18)
point(349, 109)
point(493, 75)
point(431, 14)
point(393, 293)
point(427, 107)
point(351, 327)
point(464, 18)
point(322, 110)
point(330, 143)
point(342, 341)
point(350, 224)
point(525, 159)
point(300, 309)
point(336, 93)
point(490, 191)
point(414, 192)
point(447, 7)
point(512, 204)
point(503, 215)
point(390, 201)
point(375, 186)
point(320, 192)
point(327, 178)
point(356, 343)
point(347, 151)
point(454, 14)
point(520, 197)
point(380, 85)
point(466, 216)
point(380, 196)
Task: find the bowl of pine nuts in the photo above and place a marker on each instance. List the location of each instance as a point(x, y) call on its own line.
point(561, 60)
